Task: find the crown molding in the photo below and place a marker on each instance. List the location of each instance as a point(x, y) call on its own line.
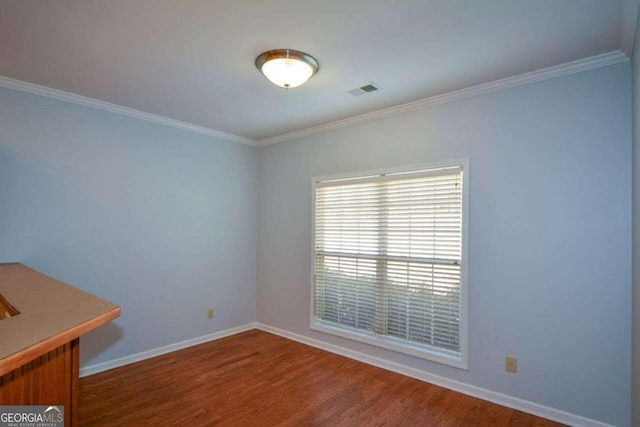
point(597, 61)
point(630, 9)
point(60, 95)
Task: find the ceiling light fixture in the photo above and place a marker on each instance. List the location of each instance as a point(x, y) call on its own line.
point(287, 68)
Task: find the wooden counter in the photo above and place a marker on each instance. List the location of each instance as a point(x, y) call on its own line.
point(39, 346)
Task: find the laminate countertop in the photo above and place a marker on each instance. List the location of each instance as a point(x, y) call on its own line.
point(51, 313)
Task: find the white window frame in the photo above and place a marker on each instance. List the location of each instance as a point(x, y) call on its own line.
point(437, 355)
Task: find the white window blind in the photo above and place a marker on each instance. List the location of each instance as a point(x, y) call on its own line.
point(388, 253)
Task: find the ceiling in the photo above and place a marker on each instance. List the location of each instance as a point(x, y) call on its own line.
point(193, 61)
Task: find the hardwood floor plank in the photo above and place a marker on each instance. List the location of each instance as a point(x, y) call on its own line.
point(259, 379)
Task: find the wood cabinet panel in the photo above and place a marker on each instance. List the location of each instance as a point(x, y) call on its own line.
point(51, 379)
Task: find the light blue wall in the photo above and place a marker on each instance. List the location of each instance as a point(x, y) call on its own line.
point(635, 396)
point(158, 220)
point(549, 233)
point(163, 222)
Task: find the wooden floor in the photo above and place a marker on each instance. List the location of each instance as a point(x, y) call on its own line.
point(259, 379)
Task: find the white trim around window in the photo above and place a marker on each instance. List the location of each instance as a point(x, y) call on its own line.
point(389, 259)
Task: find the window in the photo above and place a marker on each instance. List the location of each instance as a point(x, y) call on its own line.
point(389, 265)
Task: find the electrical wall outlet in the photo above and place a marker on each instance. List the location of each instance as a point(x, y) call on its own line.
point(210, 313)
point(511, 364)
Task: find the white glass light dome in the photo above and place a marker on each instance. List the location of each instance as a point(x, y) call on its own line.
point(287, 68)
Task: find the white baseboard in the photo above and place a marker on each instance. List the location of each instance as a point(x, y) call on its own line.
point(116, 363)
point(481, 393)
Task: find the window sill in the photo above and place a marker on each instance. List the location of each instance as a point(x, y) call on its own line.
point(390, 343)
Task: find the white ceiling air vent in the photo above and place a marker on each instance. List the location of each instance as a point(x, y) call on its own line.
point(364, 89)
